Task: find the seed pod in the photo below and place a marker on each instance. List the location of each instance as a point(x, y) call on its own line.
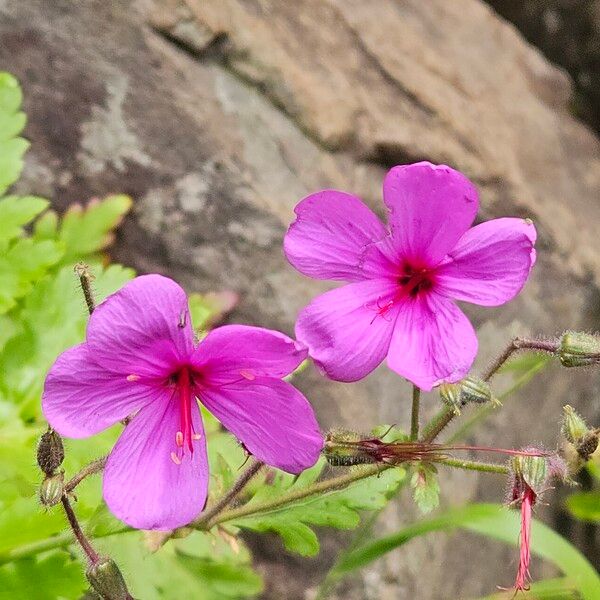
point(52, 489)
point(579, 349)
point(50, 452)
point(106, 579)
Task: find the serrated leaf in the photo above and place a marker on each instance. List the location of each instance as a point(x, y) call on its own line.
point(16, 212)
point(87, 230)
point(426, 488)
point(199, 566)
point(336, 508)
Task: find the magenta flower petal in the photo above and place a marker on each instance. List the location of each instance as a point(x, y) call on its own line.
point(271, 417)
point(348, 330)
point(143, 329)
point(330, 235)
point(433, 342)
point(430, 207)
point(490, 263)
point(80, 398)
point(143, 484)
point(233, 351)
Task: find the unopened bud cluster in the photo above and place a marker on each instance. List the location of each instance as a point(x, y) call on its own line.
point(107, 580)
point(469, 390)
point(578, 349)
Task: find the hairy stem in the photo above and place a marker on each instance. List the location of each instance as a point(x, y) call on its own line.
point(85, 280)
point(446, 414)
point(437, 424)
point(519, 344)
point(94, 467)
point(317, 488)
point(237, 487)
point(414, 416)
point(92, 555)
point(473, 465)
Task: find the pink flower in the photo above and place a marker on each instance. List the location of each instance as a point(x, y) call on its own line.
point(403, 280)
point(140, 357)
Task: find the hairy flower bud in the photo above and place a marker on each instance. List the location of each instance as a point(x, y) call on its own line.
point(52, 489)
point(579, 349)
point(469, 390)
point(573, 427)
point(533, 470)
point(50, 452)
point(106, 579)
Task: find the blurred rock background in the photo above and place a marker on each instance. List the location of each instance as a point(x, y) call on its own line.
point(217, 116)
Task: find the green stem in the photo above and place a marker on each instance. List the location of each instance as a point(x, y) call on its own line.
point(94, 467)
point(414, 417)
point(473, 465)
point(236, 488)
point(318, 488)
point(437, 424)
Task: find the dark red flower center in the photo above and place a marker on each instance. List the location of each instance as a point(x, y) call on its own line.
point(412, 282)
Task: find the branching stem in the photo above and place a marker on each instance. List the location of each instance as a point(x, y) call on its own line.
point(94, 467)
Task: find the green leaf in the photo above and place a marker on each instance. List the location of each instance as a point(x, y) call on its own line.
point(337, 508)
point(12, 122)
point(199, 566)
point(426, 488)
point(493, 521)
point(16, 212)
point(55, 577)
point(548, 589)
point(87, 230)
point(585, 506)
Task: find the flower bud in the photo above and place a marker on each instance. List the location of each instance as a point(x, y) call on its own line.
point(52, 489)
point(579, 349)
point(469, 390)
point(573, 427)
point(50, 452)
point(533, 470)
point(106, 579)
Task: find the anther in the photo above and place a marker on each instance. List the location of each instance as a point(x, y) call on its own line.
point(179, 438)
point(133, 377)
point(175, 458)
point(247, 375)
point(196, 436)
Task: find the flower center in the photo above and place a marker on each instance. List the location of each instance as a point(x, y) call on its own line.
point(186, 435)
point(412, 281)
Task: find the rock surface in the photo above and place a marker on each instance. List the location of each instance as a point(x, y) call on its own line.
point(217, 116)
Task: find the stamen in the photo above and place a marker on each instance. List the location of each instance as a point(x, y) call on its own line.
point(133, 377)
point(196, 436)
point(179, 438)
point(247, 375)
point(175, 458)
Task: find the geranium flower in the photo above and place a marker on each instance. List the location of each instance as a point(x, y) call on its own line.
point(403, 281)
point(140, 357)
